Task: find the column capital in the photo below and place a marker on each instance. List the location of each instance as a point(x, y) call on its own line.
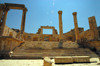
point(6, 9)
point(2, 7)
point(74, 13)
point(59, 12)
point(25, 9)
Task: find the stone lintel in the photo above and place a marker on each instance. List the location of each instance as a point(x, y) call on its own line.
point(63, 59)
point(14, 5)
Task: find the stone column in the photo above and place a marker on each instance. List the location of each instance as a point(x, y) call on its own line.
point(4, 21)
point(41, 34)
point(76, 26)
point(95, 28)
point(2, 7)
point(23, 21)
point(60, 25)
point(91, 27)
point(1, 13)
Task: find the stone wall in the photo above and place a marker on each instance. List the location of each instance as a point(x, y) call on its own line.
point(70, 44)
point(39, 37)
point(8, 43)
point(9, 32)
point(70, 36)
point(92, 44)
point(47, 45)
point(39, 45)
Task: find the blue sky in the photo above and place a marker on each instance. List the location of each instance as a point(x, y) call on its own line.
point(45, 12)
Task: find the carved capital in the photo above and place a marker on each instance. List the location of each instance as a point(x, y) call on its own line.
point(25, 9)
point(59, 12)
point(2, 6)
point(74, 13)
point(6, 9)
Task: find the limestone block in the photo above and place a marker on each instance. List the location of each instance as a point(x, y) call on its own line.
point(81, 58)
point(47, 62)
point(70, 44)
point(64, 59)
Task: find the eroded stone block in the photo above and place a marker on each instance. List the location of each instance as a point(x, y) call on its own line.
point(47, 61)
point(81, 58)
point(63, 59)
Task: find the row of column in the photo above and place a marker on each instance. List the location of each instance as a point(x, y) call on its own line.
point(75, 24)
point(4, 16)
point(92, 23)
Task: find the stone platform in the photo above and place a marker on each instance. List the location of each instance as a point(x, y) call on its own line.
point(38, 53)
point(47, 45)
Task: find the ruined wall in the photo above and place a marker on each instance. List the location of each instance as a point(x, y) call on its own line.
point(9, 32)
point(8, 43)
point(39, 37)
point(70, 36)
point(98, 31)
point(47, 45)
point(86, 35)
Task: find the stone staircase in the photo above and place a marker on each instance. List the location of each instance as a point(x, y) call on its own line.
point(38, 53)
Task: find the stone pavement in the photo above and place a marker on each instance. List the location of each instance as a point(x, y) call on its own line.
point(39, 62)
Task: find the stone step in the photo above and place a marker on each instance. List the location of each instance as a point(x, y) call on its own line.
point(56, 52)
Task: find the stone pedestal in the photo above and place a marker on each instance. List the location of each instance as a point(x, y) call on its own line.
point(76, 26)
point(60, 26)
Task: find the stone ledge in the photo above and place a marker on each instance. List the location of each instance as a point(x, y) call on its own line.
point(71, 59)
point(10, 38)
point(65, 59)
point(81, 58)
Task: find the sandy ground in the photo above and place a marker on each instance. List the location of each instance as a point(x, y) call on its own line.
point(39, 62)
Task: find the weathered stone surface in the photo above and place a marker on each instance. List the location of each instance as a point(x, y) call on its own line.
point(47, 61)
point(76, 26)
point(88, 38)
point(60, 26)
point(81, 58)
point(70, 44)
point(8, 43)
point(63, 59)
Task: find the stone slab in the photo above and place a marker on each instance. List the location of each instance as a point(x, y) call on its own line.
point(64, 59)
point(81, 58)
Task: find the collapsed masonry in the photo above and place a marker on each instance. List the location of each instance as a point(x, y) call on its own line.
point(12, 39)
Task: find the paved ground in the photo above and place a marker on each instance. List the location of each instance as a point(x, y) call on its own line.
point(39, 62)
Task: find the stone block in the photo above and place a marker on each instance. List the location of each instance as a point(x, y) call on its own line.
point(98, 48)
point(63, 59)
point(81, 58)
point(47, 62)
